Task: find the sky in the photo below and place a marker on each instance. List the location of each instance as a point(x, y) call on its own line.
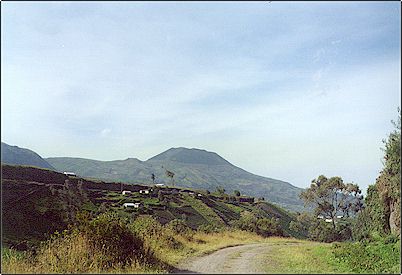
point(287, 90)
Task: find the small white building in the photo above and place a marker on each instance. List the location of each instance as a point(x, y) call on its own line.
point(159, 184)
point(339, 217)
point(70, 174)
point(126, 192)
point(145, 191)
point(328, 220)
point(132, 204)
point(199, 195)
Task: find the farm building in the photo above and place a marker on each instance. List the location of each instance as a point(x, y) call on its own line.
point(70, 174)
point(144, 191)
point(126, 192)
point(132, 204)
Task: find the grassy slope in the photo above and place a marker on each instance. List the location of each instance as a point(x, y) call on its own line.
point(31, 211)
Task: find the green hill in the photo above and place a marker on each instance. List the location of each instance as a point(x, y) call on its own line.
point(21, 156)
point(34, 206)
point(193, 168)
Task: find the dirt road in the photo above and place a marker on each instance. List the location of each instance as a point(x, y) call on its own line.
point(239, 259)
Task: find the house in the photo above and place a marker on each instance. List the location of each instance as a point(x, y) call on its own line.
point(339, 217)
point(126, 192)
point(328, 220)
point(320, 216)
point(132, 204)
point(70, 174)
point(144, 191)
point(159, 185)
point(199, 195)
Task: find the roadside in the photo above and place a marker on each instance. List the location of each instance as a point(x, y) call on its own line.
point(273, 255)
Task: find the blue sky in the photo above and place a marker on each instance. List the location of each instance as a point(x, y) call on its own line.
point(288, 90)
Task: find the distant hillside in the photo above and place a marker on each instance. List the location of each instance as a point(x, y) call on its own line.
point(193, 168)
point(21, 156)
point(33, 204)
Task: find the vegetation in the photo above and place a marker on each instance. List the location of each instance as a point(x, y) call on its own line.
point(262, 226)
point(109, 243)
point(377, 227)
point(382, 214)
point(170, 174)
point(381, 256)
point(334, 204)
point(300, 257)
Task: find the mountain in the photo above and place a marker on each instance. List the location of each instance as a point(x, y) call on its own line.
point(190, 156)
point(22, 156)
point(193, 168)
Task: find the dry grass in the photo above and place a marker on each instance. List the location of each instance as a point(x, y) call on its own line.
point(71, 254)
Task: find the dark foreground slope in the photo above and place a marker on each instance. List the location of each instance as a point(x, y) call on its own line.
point(34, 205)
point(193, 168)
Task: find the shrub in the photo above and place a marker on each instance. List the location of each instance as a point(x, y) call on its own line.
point(154, 235)
point(209, 228)
point(179, 227)
point(368, 257)
point(111, 235)
point(262, 226)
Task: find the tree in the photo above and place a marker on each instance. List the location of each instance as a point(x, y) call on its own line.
point(382, 214)
point(170, 175)
point(220, 190)
point(161, 197)
point(236, 193)
point(153, 178)
point(331, 197)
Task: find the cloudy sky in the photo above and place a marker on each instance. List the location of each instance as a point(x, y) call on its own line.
point(284, 90)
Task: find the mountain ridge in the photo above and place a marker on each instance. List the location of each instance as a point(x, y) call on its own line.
point(12, 154)
point(195, 168)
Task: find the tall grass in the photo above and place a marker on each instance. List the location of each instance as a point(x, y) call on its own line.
point(99, 248)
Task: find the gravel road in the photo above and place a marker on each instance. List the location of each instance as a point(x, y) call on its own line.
point(239, 259)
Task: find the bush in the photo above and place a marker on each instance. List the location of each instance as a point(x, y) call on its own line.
point(262, 226)
point(369, 257)
point(109, 234)
point(209, 228)
point(179, 227)
point(154, 235)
